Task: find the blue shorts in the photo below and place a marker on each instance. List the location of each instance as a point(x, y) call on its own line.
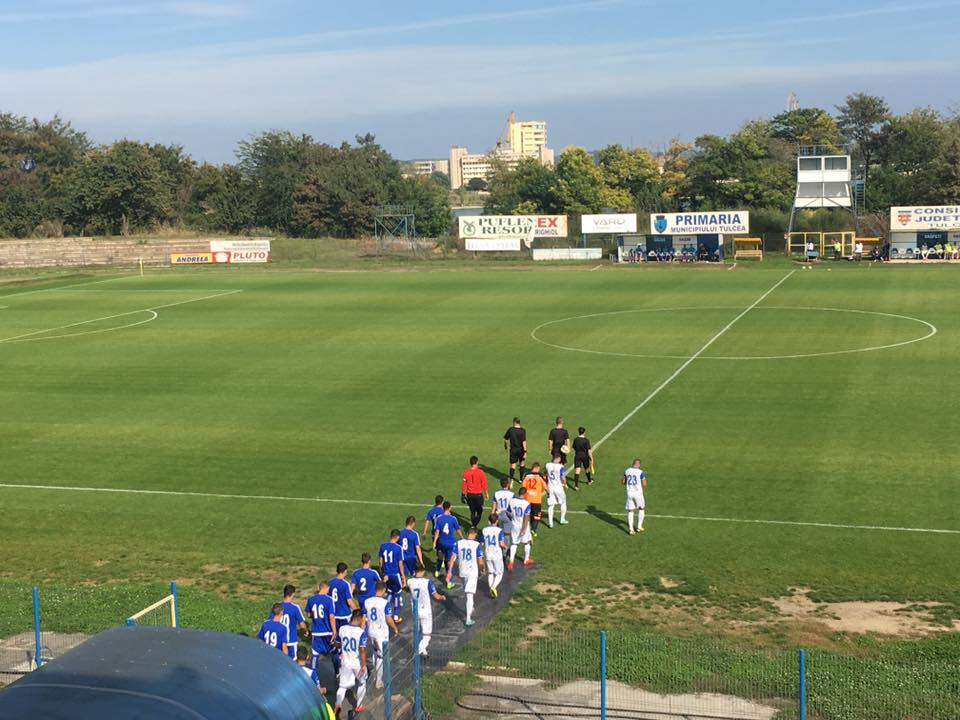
point(409, 565)
point(393, 583)
point(447, 551)
point(322, 644)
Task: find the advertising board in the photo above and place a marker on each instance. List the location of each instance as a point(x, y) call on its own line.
point(719, 222)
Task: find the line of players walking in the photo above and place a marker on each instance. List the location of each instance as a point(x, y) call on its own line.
point(349, 619)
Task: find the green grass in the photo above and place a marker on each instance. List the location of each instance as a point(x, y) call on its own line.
point(377, 386)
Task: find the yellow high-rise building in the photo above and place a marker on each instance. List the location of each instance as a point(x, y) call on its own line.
point(521, 139)
point(526, 137)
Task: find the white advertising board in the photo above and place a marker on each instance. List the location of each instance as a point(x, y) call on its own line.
point(926, 217)
point(524, 227)
point(719, 222)
point(495, 245)
point(567, 253)
point(608, 224)
point(240, 251)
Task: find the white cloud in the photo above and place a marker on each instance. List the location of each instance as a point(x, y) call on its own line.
point(208, 88)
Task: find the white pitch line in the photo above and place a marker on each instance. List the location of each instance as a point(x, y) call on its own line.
point(596, 268)
point(731, 267)
point(383, 503)
point(690, 360)
point(64, 287)
point(16, 338)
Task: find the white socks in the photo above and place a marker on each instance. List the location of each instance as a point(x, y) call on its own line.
point(493, 580)
point(640, 515)
point(526, 552)
point(639, 519)
point(550, 516)
point(469, 606)
point(563, 512)
point(424, 641)
point(513, 552)
point(630, 520)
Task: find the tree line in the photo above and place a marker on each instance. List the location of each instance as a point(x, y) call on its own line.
point(908, 159)
point(55, 181)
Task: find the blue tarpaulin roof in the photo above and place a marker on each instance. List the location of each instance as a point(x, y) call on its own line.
point(165, 674)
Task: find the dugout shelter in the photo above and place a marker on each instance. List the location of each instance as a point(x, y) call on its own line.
point(165, 674)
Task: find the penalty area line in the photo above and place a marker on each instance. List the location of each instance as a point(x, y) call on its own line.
point(383, 503)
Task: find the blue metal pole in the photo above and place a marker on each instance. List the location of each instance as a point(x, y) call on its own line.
point(176, 603)
point(803, 684)
point(417, 707)
point(603, 675)
point(387, 683)
point(37, 659)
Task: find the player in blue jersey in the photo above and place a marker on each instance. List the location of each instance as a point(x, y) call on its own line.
point(446, 532)
point(273, 632)
point(391, 567)
point(410, 542)
point(341, 592)
point(323, 623)
point(365, 580)
point(292, 620)
point(429, 522)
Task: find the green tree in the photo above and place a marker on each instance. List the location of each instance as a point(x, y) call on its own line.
point(807, 126)
point(860, 120)
point(477, 184)
point(117, 189)
point(578, 183)
point(230, 202)
point(275, 164)
point(632, 178)
point(676, 160)
point(340, 194)
point(429, 202)
point(522, 190)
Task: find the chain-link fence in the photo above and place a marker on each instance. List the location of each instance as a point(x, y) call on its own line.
point(625, 675)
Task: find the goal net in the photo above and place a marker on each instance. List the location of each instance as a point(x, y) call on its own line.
point(162, 613)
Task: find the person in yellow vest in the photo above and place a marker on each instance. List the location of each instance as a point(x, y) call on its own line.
point(948, 251)
point(938, 249)
point(837, 249)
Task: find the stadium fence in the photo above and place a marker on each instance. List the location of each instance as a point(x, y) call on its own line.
point(547, 672)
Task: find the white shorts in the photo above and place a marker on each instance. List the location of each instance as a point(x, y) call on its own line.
point(426, 625)
point(521, 539)
point(469, 583)
point(634, 501)
point(376, 644)
point(495, 563)
point(557, 496)
point(350, 676)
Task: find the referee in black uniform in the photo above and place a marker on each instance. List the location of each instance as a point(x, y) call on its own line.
point(515, 441)
point(558, 439)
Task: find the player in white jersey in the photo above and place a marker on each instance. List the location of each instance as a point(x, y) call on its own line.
point(556, 490)
point(353, 661)
point(501, 502)
point(520, 528)
point(494, 546)
point(379, 625)
point(635, 481)
point(469, 558)
point(421, 590)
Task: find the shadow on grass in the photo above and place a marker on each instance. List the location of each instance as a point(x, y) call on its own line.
point(606, 517)
point(498, 474)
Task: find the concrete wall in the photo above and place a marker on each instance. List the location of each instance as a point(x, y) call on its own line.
point(77, 252)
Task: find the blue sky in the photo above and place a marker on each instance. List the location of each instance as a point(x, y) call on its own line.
point(424, 75)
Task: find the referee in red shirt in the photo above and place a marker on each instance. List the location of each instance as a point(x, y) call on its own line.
point(473, 490)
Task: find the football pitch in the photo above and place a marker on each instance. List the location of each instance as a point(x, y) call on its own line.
point(236, 430)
